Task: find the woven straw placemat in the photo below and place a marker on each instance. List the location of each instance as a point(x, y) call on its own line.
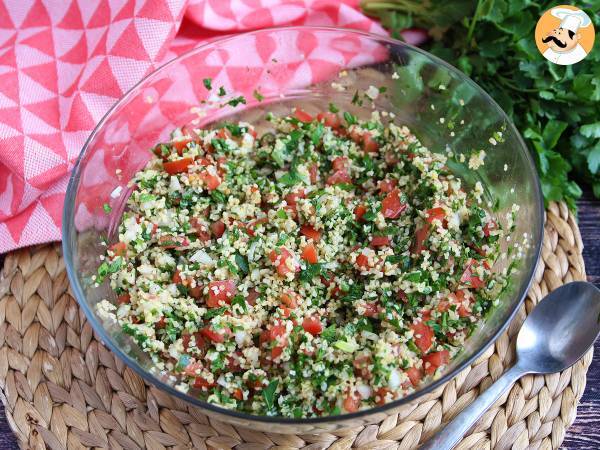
point(63, 389)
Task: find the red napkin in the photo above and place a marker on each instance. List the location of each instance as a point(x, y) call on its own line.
point(63, 64)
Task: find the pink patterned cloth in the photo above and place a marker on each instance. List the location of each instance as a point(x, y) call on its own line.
point(64, 63)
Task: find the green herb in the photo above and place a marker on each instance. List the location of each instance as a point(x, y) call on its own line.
point(107, 208)
point(269, 393)
point(312, 271)
point(236, 101)
point(207, 83)
point(316, 134)
point(222, 92)
point(242, 263)
point(147, 198)
point(556, 108)
point(240, 301)
point(346, 346)
point(282, 214)
point(258, 96)
point(329, 333)
point(214, 312)
point(218, 197)
point(334, 109)
point(349, 118)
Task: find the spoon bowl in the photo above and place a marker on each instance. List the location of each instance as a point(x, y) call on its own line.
point(560, 329)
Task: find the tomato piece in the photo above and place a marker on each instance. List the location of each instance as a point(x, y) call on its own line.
point(422, 335)
point(177, 166)
point(402, 296)
point(212, 335)
point(220, 291)
point(469, 279)
point(309, 254)
point(392, 206)
point(372, 310)
point(292, 198)
point(361, 367)
point(310, 232)
point(200, 229)
point(380, 241)
point(351, 403)
point(387, 185)
point(489, 227)
point(196, 292)
point(201, 383)
point(339, 177)
point(252, 296)
point(212, 181)
point(119, 248)
point(414, 375)
point(329, 119)
point(284, 261)
point(420, 238)
point(161, 323)
point(123, 298)
point(359, 212)
point(192, 369)
point(381, 394)
point(238, 394)
point(217, 228)
point(177, 277)
point(356, 135)
point(312, 325)
point(302, 116)
point(370, 145)
point(277, 351)
point(435, 360)
point(180, 146)
point(435, 214)
point(313, 172)
point(340, 163)
point(362, 261)
point(289, 299)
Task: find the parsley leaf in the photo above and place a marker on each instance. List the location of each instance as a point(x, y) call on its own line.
point(269, 393)
point(207, 83)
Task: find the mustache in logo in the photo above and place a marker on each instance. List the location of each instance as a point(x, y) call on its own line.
point(555, 40)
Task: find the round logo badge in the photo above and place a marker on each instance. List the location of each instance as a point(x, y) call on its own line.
point(564, 35)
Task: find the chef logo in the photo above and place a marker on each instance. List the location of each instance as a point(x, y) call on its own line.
point(564, 35)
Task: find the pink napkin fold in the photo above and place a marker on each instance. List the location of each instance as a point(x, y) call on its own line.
point(63, 64)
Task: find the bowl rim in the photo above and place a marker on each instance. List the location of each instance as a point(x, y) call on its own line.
point(68, 217)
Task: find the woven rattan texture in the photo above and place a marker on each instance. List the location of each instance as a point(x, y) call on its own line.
point(63, 389)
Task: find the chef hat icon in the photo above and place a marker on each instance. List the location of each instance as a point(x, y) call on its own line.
point(570, 19)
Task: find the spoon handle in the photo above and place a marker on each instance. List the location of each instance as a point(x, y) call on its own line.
point(452, 433)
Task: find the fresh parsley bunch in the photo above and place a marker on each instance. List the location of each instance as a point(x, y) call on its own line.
point(556, 108)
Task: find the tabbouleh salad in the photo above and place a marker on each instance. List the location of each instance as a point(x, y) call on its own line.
point(323, 267)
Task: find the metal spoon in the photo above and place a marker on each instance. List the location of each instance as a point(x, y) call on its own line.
point(557, 333)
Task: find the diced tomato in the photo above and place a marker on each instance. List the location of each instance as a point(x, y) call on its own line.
point(217, 228)
point(310, 232)
point(423, 335)
point(370, 145)
point(192, 369)
point(220, 291)
point(312, 325)
point(161, 323)
point(309, 254)
point(359, 212)
point(414, 375)
point(177, 277)
point(443, 306)
point(285, 311)
point(212, 181)
point(284, 261)
point(392, 206)
point(212, 335)
point(380, 241)
point(292, 198)
point(177, 166)
point(201, 383)
point(277, 351)
point(340, 163)
point(181, 145)
point(420, 238)
point(329, 119)
point(238, 394)
point(223, 133)
point(469, 279)
point(356, 135)
point(173, 241)
point(200, 229)
point(252, 296)
point(289, 299)
point(196, 292)
point(362, 261)
point(387, 185)
point(402, 296)
point(339, 177)
point(313, 171)
point(351, 403)
point(372, 310)
point(435, 214)
point(361, 367)
point(435, 360)
point(123, 298)
point(489, 227)
point(119, 248)
point(302, 116)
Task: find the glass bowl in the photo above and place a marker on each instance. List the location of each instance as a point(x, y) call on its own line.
point(274, 70)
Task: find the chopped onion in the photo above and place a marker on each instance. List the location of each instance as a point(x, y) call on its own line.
point(364, 390)
point(240, 337)
point(394, 381)
point(202, 257)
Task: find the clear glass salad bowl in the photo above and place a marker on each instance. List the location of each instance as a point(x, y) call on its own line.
point(303, 67)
